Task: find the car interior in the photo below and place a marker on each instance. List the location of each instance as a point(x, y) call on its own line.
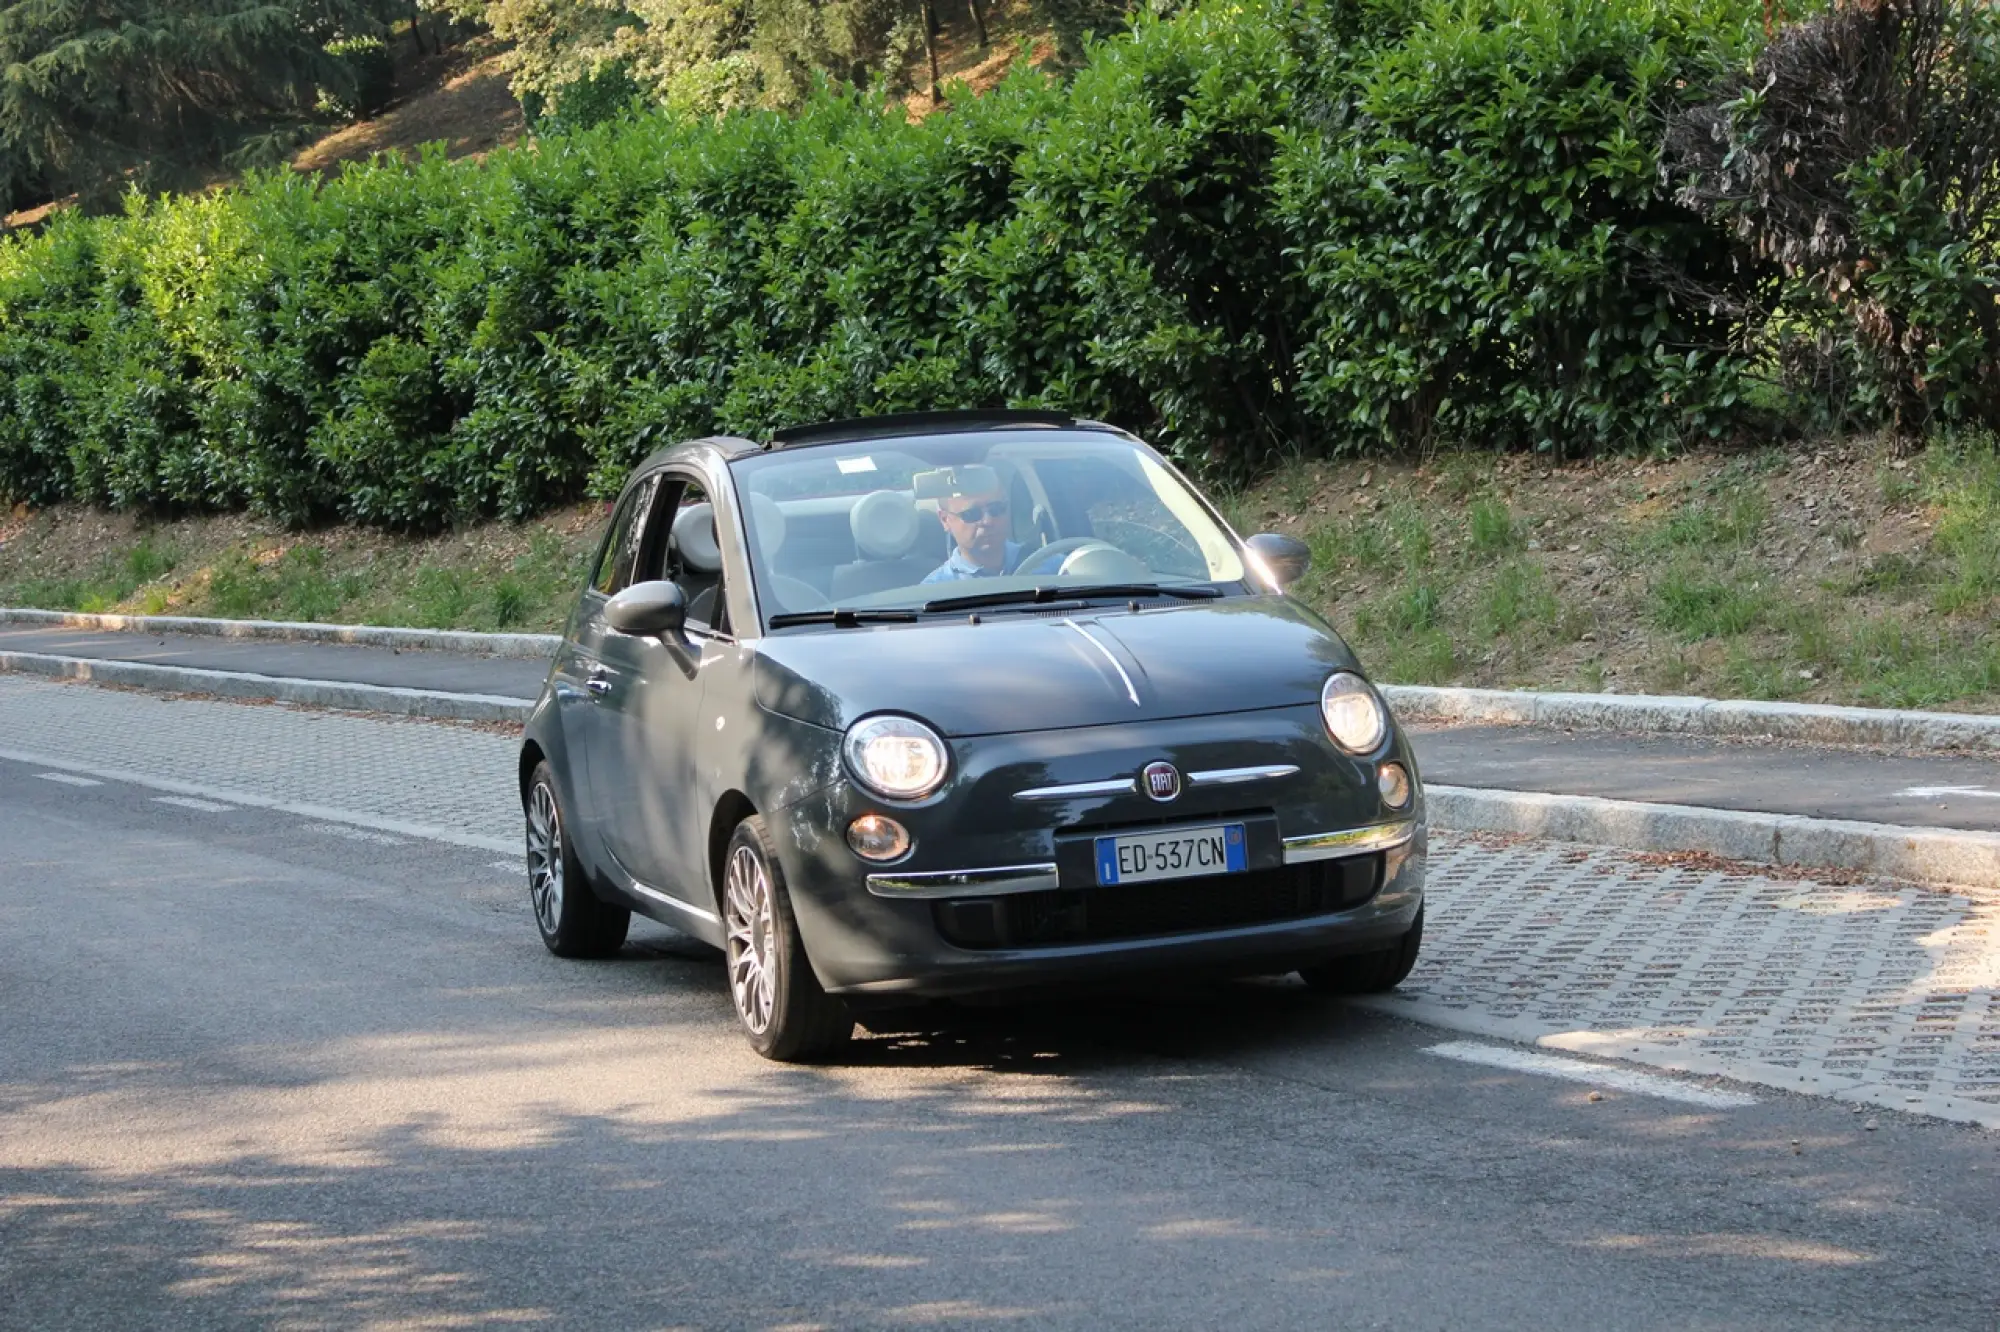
point(846, 546)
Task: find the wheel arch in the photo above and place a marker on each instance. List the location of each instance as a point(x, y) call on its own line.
point(731, 809)
point(532, 757)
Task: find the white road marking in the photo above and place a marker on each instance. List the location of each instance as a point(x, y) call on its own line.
point(430, 833)
point(1932, 792)
point(67, 780)
point(509, 866)
point(1597, 1075)
point(190, 802)
point(356, 834)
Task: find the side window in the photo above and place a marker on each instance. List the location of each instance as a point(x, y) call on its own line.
point(616, 565)
point(693, 559)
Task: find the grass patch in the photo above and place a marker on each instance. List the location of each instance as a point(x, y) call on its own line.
point(1962, 479)
point(1359, 543)
point(1715, 522)
point(1491, 525)
point(1423, 658)
point(1410, 532)
point(1898, 664)
point(1414, 608)
point(1695, 604)
point(495, 577)
point(1519, 598)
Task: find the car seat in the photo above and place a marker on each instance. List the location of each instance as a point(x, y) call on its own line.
point(699, 563)
point(888, 534)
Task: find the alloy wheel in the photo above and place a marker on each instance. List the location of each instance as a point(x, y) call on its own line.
point(753, 939)
point(545, 857)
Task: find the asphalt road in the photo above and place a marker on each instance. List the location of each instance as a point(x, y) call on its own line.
point(348, 663)
point(263, 1071)
point(1921, 790)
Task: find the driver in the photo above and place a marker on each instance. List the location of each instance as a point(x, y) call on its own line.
point(978, 527)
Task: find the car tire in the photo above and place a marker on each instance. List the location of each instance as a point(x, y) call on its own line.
point(1368, 973)
point(573, 920)
point(785, 1014)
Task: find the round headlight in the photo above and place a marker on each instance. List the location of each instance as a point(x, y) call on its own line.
point(1355, 717)
point(898, 758)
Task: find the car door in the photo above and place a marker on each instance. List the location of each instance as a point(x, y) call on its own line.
point(581, 674)
point(651, 711)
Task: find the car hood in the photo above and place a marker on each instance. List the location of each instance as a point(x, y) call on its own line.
point(1036, 672)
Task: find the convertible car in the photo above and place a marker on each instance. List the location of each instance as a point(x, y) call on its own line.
point(921, 706)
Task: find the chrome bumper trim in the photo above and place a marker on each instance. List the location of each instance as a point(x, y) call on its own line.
point(1079, 790)
point(1348, 842)
point(1232, 776)
point(1127, 785)
point(991, 882)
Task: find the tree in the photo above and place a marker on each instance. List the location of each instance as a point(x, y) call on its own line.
point(96, 95)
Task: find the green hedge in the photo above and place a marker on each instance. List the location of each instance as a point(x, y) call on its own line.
point(1337, 225)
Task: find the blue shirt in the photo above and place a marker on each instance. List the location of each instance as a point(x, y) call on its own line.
point(958, 566)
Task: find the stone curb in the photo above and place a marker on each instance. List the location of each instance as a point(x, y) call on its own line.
point(276, 688)
point(362, 635)
point(1813, 723)
point(1941, 856)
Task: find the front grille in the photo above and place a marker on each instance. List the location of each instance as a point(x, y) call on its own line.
point(1144, 910)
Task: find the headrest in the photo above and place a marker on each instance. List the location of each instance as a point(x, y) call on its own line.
point(884, 523)
point(972, 479)
point(694, 537)
point(769, 521)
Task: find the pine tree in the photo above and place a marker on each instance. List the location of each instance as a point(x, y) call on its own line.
point(98, 95)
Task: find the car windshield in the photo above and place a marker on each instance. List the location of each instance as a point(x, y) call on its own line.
point(1008, 517)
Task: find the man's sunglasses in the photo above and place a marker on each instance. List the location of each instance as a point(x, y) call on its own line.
point(978, 513)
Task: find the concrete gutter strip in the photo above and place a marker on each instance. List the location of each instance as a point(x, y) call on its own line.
point(1812, 723)
point(532, 646)
point(1925, 855)
point(277, 688)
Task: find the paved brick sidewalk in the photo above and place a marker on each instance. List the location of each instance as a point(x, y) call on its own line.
point(1884, 993)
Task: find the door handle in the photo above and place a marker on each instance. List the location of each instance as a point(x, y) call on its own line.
point(599, 681)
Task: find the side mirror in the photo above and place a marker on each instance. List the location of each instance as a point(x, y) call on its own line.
point(649, 610)
point(1287, 558)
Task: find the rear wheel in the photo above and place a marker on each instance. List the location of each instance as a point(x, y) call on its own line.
point(1368, 973)
point(784, 1012)
point(573, 921)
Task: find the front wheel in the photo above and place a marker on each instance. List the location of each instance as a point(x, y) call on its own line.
point(573, 921)
point(1368, 973)
point(784, 1012)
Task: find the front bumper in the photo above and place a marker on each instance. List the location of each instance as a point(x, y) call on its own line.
point(997, 895)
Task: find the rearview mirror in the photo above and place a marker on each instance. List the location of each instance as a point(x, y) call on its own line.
point(1286, 557)
point(648, 610)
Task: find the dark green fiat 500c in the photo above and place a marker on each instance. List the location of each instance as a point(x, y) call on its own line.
point(929, 705)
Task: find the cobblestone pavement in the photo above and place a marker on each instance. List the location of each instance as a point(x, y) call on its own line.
point(1876, 992)
point(449, 777)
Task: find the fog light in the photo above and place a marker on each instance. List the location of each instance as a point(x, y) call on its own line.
point(1394, 783)
point(874, 837)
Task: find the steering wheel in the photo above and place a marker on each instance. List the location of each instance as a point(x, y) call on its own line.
point(1066, 547)
point(794, 594)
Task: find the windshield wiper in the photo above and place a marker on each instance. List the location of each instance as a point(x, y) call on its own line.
point(842, 617)
point(1041, 596)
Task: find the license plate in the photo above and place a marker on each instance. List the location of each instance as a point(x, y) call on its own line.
point(1171, 853)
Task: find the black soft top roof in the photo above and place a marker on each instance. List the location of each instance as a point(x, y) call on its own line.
point(927, 423)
